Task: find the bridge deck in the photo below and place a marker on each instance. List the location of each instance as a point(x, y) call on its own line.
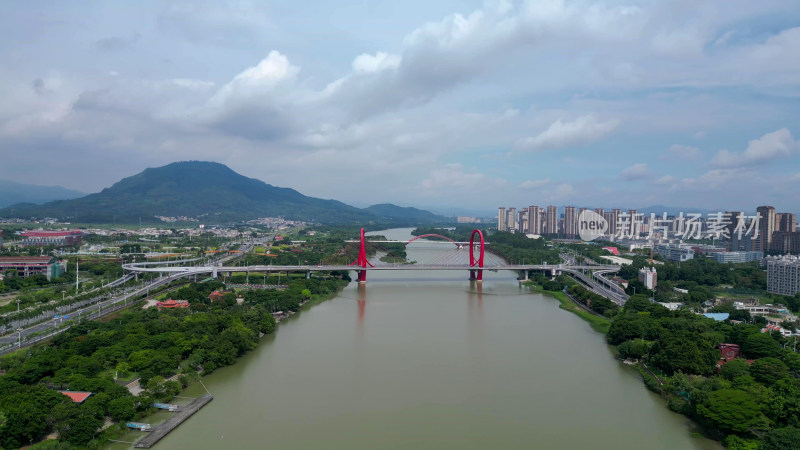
point(328, 268)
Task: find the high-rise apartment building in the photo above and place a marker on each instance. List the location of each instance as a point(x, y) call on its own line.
point(522, 222)
point(786, 222)
point(551, 225)
point(501, 219)
point(612, 224)
point(635, 224)
point(511, 220)
point(570, 222)
point(733, 217)
point(766, 227)
point(534, 220)
point(786, 242)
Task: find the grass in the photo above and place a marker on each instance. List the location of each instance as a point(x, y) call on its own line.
point(599, 324)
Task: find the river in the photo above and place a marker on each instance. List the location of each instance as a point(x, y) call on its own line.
point(430, 361)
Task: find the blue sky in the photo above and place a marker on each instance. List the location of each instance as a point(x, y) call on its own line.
point(450, 104)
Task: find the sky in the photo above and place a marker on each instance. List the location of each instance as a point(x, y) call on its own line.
point(461, 105)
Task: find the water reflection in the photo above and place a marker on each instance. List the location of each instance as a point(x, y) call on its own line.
point(362, 302)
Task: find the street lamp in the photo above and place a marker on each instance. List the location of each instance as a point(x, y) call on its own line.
point(19, 337)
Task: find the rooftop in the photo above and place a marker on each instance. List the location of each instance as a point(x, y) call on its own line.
point(25, 259)
point(51, 233)
point(77, 396)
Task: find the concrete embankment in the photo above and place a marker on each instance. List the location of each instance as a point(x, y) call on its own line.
point(170, 424)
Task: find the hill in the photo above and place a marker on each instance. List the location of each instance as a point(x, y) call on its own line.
point(12, 192)
point(399, 213)
point(210, 192)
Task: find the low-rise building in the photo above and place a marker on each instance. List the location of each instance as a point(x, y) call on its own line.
point(77, 396)
point(42, 238)
point(701, 249)
point(170, 304)
point(672, 306)
point(737, 257)
point(648, 277)
point(25, 266)
point(729, 351)
point(775, 314)
point(675, 253)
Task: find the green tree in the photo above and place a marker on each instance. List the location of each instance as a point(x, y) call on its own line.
point(684, 354)
point(734, 442)
point(761, 345)
point(306, 293)
point(732, 410)
point(122, 408)
point(768, 370)
point(782, 439)
point(624, 329)
point(80, 429)
point(122, 369)
point(734, 368)
point(155, 385)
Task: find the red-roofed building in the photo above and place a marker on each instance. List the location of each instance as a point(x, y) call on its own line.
point(217, 296)
point(77, 396)
point(729, 351)
point(41, 238)
point(170, 303)
point(613, 250)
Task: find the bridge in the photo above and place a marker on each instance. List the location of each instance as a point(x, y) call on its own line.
point(475, 264)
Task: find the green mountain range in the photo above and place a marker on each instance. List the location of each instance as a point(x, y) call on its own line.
point(11, 192)
point(212, 193)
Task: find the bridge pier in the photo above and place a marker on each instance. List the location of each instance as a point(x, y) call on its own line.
point(523, 276)
point(362, 276)
point(308, 275)
point(476, 275)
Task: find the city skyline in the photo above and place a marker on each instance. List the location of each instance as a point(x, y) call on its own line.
point(433, 105)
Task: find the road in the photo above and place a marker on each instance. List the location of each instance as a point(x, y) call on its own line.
point(43, 330)
point(597, 283)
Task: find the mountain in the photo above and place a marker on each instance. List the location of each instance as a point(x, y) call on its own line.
point(399, 213)
point(210, 192)
point(11, 193)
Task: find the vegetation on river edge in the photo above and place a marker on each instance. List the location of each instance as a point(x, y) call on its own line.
point(749, 402)
point(146, 344)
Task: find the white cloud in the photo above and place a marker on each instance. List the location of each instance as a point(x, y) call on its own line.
point(266, 77)
point(770, 146)
point(366, 63)
point(583, 130)
point(534, 184)
point(635, 172)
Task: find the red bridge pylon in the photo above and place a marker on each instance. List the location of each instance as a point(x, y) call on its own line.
point(362, 260)
point(476, 274)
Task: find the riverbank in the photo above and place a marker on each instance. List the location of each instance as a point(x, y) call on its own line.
point(120, 434)
point(599, 324)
